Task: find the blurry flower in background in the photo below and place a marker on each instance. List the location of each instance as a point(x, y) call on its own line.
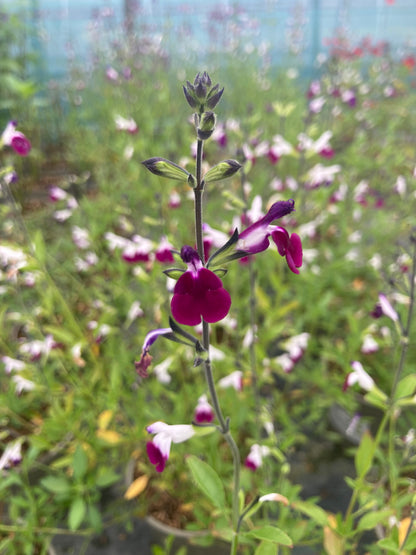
point(161, 371)
point(12, 364)
point(111, 74)
point(321, 175)
point(235, 380)
point(204, 413)
point(126, 124)
point(163, 251)
point(295, 348)
point(15, 139)
point(38, 347)
point(57, 193)
point(81, 237)
point(359, 376)
point(12, 455)
point(254, 459)
point(22, 384)
point(369, 345)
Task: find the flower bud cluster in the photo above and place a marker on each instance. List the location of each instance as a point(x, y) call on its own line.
point(203, 97)
point(200, 94)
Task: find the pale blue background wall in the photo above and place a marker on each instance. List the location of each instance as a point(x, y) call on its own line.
point(63, 27)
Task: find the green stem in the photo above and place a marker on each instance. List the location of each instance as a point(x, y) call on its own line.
point(209, 377)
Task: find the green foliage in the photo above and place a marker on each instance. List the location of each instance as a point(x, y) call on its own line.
point(84, 420)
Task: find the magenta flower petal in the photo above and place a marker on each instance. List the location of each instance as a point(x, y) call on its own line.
point(155, 456)
point(185, 305)
point(254, 238)
point(199, 294)
point(216, 305)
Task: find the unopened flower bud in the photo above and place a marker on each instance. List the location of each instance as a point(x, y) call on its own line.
point(224, 169)
point(206, 125)
point(168, 169)
point(201, 94)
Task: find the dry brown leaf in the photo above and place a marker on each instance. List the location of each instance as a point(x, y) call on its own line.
point(136, 487)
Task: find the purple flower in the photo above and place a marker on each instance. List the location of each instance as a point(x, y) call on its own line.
point(255, 238)
point(158, 449)
point(198, 293)
point(145, 359)
point(19, 143)
point(203, 411)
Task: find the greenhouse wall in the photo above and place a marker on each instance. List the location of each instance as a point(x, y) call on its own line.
point(293, 31)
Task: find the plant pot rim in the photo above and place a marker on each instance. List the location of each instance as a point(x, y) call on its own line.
point(171, 530)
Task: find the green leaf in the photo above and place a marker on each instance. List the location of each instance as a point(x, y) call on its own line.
point(56, 484)
point(406, 386)
point(79, 463)
point(364, 455)
point(76, 513)
point(174, 273)
point(265, 548)
point(270, 534)
point(207, 480)
point(106, 478)
point(317, 514)
point(94, 517)
point(371, 519)
point(389, 545)
point(223, 250)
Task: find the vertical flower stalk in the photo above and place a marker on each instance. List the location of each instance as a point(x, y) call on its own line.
point(205, 123)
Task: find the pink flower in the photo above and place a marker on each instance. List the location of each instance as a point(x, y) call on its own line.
point(289, 246)
point(164, 252)
point(57, 193)
point(124, 124)
point(203, 411)
point(255, 458)
point(255, 238)
point(19, 143)
point(198, 293)
point(111, 73)
point(158, 450)
point(174, 200)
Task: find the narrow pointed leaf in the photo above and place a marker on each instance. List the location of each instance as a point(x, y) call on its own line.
point(76, 513)
point(222, 251)
point(207, 480)
point(270, 534)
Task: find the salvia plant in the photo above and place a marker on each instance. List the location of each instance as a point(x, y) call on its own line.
point(200, 297)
